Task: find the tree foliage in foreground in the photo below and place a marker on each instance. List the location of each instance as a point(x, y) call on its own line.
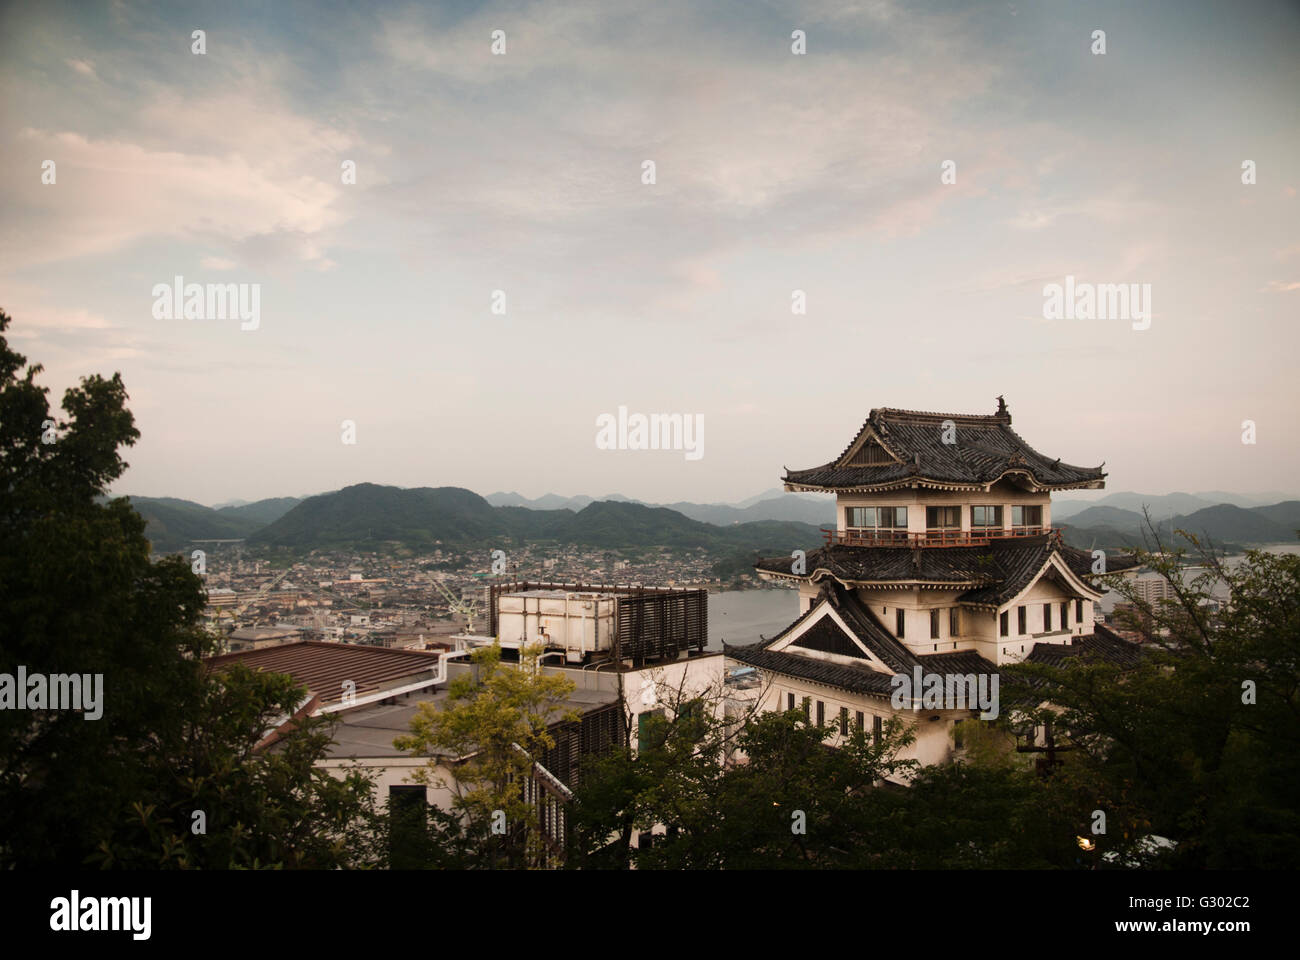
point(79, 594)
point(1200, 743)
point(494, 725)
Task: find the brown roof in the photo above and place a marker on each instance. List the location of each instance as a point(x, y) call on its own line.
point(323, 667)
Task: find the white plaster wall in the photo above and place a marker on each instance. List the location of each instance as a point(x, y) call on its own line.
point(393, 771)
point(933, 742)
point(657, 687)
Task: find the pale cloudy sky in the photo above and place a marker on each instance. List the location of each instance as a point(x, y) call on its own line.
point(775, 172)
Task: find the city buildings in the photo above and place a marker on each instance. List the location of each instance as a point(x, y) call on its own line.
point(630, 652)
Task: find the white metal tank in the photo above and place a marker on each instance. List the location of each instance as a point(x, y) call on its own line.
point(577, 623)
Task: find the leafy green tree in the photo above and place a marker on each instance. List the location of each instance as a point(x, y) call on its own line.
point(966, 816)
point(787, 799)
point(1200, 742)
point(79, 594)
point(218, 801)
point(494, 725)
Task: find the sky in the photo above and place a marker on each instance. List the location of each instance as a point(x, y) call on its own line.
point(524, 172)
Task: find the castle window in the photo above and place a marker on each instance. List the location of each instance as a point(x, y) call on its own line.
point(876, 518)
point(807, 708)
point(821, 713)
point(943, 518)
point(789, 701)
point(862, 723)
point(954, 622)
point(844, 721)
point(1027, 516)
point(1078, 611)
point(1005, 623)
point(1022, 620)
point(986, 516)
point(1065, 614)
point(1047, 617)
point(898, 623)
point(934, 624)
point(877, 729)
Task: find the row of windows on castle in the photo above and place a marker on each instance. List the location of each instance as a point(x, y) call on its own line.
point(1051, 611)
point(942, 518)
point(877, 724)
point(858, 722)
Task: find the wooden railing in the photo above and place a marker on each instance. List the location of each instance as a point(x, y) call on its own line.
point(975, 537)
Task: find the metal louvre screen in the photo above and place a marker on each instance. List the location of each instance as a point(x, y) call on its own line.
point(598, 732)
point(660, 626)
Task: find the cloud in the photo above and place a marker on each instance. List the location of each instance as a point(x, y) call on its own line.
point(217, 263)
point(112, 193)
point(84, 67)
point(32, 319)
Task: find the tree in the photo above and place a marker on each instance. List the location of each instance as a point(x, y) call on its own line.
point(80, 595)
point(787, 800)
point(1198, 742)
point(494, 727)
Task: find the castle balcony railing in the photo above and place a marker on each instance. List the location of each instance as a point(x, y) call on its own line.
point(975, 537)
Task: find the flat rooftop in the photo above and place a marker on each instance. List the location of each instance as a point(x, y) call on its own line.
point(555, 594)
point(369, 731)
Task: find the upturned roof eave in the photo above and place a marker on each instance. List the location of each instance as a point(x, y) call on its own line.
point(821, 573)
point(797, 486)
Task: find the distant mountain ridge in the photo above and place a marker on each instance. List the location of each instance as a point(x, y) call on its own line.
point(774, 504)
point(1167, 504)
point(454, 516)
point(172, 524)
point(1223, 523)
point(422, 515)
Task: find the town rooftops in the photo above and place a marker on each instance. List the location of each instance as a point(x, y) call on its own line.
point(948, 451)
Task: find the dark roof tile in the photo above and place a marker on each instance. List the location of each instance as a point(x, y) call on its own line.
point(985, 449)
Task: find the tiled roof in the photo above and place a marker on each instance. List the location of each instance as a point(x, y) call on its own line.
point(859, 679)
point(985, 448)
point(826, 636)
point(1103, 644)
point(993, 573)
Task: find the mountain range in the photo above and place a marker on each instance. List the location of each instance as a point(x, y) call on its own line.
point(774, 504)
point(1223, 524)
point(1163, 506)
point(425, 516)
point(772, 519)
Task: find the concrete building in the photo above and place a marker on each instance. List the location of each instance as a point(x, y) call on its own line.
point(650, 660)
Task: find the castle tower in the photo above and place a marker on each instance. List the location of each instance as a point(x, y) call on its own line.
point(943, 558)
